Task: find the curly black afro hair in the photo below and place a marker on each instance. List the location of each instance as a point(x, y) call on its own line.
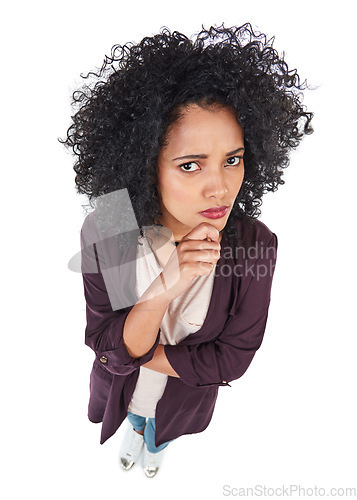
point(124, 115)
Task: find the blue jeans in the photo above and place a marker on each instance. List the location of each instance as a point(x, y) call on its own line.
point(138, 423)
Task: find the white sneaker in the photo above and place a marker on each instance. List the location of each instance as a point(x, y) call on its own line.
point(131, 448)
point(152, 461)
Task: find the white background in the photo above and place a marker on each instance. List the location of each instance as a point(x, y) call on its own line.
point(290, 420)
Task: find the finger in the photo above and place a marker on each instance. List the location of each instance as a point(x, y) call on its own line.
point(202, 232)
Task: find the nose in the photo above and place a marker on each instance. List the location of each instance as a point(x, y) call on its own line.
point(215, 185)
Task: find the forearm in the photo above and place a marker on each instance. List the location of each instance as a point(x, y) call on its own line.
point(160, 363)
point(143, 322)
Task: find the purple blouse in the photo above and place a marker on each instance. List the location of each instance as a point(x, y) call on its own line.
point(219, 352)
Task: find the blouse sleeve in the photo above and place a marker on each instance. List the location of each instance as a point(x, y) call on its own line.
point(230, 354)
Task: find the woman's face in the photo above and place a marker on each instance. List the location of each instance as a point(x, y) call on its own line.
point(200, 168)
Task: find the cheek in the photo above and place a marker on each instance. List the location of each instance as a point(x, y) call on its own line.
point(174, 190)
point(179, 194)
point(239, 180)
point(241, 175)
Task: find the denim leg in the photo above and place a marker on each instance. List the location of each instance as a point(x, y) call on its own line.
point(136, 421)
point(149, 437)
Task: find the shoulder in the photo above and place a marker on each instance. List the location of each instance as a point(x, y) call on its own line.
point(253, 232)
point(89, 231)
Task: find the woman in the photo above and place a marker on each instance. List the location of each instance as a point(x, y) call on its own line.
point(195, 132)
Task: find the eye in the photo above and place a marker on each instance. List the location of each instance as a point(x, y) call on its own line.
point(185, 166)
point(234, 160)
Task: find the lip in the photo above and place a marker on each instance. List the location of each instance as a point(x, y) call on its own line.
point(215, 209)
point(215, 213)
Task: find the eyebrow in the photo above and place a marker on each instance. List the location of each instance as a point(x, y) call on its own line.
point(194, 157)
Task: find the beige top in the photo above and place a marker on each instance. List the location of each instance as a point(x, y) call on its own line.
point(184, 316)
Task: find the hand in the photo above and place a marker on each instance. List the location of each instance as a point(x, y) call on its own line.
point(195, 255)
